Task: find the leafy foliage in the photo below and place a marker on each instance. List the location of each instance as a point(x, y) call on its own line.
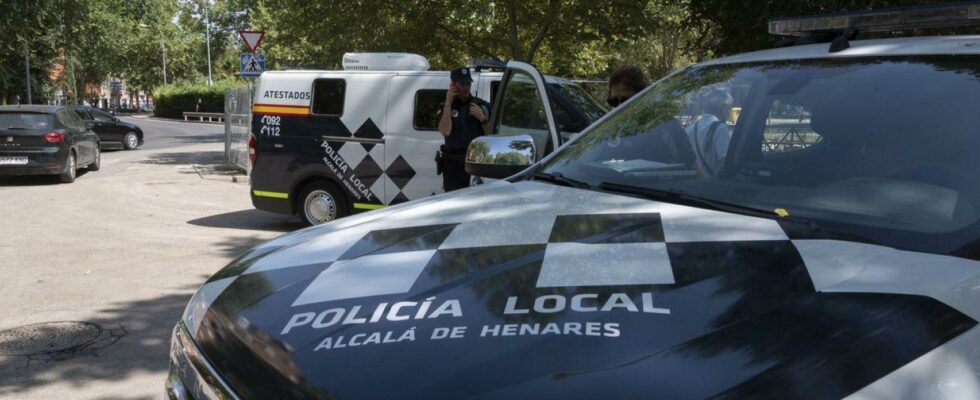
point(172, 100)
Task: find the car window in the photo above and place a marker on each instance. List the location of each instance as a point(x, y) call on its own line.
point(787, 128)
point(101, 116)
point(25, 121)
point(844, 144)
point(522, 112)
point(328, 97)
point(69, 119)
point(82, 114)
point(577, 106)
point(428, 107)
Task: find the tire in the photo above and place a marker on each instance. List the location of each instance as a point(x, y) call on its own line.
point(321, 202)
point(71, 168)
point(130, 141)
point(97, 164)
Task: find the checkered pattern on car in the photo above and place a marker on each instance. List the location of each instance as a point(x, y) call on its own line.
point(577, 250)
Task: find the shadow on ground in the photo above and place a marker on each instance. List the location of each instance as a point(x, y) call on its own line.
point(234, 246)
point(136, 341)
point(36, 180)
point(249, 220)
point(185, 158)
point(208, 138)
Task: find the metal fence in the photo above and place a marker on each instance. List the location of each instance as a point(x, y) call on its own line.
point(238, 123)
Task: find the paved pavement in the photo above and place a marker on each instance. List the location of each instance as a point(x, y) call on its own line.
point(123, 249)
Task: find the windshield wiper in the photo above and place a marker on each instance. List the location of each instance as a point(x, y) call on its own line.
point(16, 128)
point(558, 178)
point(677, 197)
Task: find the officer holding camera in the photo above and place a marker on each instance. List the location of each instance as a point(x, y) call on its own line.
point(464, 117)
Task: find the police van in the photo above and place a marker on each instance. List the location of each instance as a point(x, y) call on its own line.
point(326, 144)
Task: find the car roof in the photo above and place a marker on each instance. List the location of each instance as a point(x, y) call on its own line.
point(931, 45)
point(41, 108)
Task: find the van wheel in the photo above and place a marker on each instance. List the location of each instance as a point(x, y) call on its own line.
point(320, 202)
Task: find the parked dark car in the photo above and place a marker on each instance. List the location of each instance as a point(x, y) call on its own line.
point(46, 140)
point(110, 129)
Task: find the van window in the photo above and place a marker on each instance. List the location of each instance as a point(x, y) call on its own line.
point(493, 90)
point(328, 97)
point(428, 105)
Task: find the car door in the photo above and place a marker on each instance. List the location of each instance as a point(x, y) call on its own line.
point(522, 107)
point(82, 138)
point(106, 126)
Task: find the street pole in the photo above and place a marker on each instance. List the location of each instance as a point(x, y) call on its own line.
point(163, 48)
point(207, 29)
point(27, 70)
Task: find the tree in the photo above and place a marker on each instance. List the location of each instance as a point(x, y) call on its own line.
point(550, 33)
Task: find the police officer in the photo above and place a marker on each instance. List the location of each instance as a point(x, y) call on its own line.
point(464, 117)
point(625, 82)
point(709, 134)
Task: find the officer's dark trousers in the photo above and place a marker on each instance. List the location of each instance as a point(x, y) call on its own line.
point(454, 175)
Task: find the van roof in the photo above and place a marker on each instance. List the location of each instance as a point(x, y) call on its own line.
point(313, 73)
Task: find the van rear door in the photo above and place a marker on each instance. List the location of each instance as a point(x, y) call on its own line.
point(414, 106)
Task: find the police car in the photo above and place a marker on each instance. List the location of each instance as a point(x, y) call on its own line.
point(834, 254)
point(328, 143)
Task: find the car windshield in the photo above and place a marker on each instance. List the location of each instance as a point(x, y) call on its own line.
point(578, 98)
point(878, 148)
point(25, 121)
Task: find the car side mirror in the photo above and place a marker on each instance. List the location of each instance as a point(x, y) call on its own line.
point(89, 125)
point(497, 157)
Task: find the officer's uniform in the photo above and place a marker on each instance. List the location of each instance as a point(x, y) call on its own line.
point(465, 128)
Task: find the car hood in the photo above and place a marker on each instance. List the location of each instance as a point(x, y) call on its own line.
point(510, 291)
point(127, 125)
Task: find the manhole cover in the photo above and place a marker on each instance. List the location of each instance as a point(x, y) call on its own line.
point(48, 337)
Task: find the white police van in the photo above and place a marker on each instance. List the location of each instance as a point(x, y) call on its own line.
point(328, 143)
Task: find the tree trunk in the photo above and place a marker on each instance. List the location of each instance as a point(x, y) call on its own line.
point(515, 44)
point(549, 19)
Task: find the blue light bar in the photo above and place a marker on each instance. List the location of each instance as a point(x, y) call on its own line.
point(886, 20)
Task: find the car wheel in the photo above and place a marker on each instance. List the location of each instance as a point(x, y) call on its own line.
point(97, 164)
point(321, 202)
point(71, 167)
point(131, 141)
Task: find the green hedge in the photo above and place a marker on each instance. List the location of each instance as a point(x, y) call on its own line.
point(172, 100)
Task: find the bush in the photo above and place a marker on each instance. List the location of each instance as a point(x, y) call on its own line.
point(172, 100)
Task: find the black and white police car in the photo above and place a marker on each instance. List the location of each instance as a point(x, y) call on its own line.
point(831, 250)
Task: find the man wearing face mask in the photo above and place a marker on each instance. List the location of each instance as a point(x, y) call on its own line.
point(624, 83)
point(464, 117)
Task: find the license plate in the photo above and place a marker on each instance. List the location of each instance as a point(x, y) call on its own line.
point(13, 160)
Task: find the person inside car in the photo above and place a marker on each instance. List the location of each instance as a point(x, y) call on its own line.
point(709, 134)
point(624, 83)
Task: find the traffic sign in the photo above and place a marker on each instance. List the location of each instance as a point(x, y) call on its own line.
point(252, 64)
point(252, 39)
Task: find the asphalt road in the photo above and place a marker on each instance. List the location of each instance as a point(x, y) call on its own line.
point(121, 250)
